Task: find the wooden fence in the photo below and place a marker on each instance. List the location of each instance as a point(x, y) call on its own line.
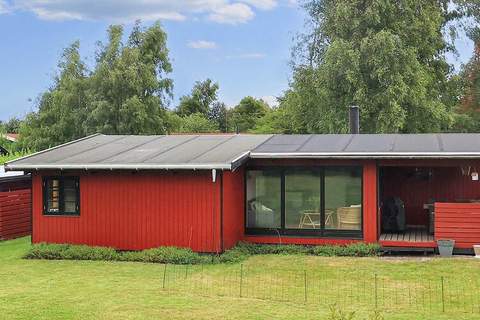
point(15, 214)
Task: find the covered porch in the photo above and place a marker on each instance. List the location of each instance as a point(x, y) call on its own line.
point(412, 199)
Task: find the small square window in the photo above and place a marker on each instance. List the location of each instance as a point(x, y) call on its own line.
point(61, 196)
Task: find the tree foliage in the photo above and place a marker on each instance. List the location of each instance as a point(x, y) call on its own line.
point(193, 123)
point(469, 118)
point(125, 93)
point(201, 99)
point(248, 111)
point(61, 109)
point(11, 126)
point(388, 57)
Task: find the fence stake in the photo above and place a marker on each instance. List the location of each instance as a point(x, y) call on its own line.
point(305, 283)
point(443, 295)
point(241, 279)
point(164, 275)
point(376, 291)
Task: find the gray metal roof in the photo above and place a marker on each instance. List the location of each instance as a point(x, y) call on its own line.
point(230, 151)
point(445, 145)
point(145, 152)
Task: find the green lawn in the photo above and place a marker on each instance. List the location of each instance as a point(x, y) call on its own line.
point(273, 287)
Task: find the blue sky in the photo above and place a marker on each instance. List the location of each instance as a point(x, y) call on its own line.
point(245, 45)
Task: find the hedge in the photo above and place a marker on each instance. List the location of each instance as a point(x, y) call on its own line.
point(174, 255)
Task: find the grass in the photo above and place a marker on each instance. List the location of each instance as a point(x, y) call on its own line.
point(51, 289)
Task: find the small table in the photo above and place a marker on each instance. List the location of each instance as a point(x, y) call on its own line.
point(312, 219)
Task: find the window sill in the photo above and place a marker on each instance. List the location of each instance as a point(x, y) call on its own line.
point(61, 215)
point(344, 235)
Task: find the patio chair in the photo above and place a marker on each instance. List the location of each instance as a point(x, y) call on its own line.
point(349, 218)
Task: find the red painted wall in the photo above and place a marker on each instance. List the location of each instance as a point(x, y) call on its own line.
point(233, 207)
point(446, 185)
point(137, 211)
point(15, 214)
point(459, 222)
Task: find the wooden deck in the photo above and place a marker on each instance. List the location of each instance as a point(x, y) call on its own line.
point(410, 240)
point(414, 235)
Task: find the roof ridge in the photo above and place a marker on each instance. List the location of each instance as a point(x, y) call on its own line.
point(52, 148)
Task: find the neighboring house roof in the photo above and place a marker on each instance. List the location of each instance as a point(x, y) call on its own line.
point(10, 174)
point(145, 152)
point(230, 151)
point(11, 136)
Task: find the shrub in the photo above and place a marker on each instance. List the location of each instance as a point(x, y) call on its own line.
point(252, 248)
point(234, 255)
point(352, 250)
point(70, 252)
point(174, 255)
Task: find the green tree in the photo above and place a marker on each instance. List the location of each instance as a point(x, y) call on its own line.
point(12, 125)
point(193, 123)
point(219, 114)
point(470, 100)
point(388, 57)
point(62, 108)
point(248, 111)
point(200, 100)
point(126, 93)
point(129, 83)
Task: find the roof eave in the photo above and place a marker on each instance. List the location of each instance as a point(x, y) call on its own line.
point(365, 155)
point(205, 166)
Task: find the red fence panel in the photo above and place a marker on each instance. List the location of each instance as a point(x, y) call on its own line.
point(15, 214)
point(459, 222)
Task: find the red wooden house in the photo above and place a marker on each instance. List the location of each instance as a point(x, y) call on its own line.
point(208, 192)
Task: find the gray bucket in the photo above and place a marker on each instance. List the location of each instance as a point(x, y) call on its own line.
point(445, 247)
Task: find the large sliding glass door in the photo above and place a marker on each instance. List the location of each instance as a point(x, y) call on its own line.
point(311, 201)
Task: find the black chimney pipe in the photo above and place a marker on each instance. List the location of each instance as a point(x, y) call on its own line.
point(354, 119)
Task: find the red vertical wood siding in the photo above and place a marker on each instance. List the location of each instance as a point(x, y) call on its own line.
point(459, 222)
point(370, 202)
point(446, 185)
point(15, 214)
point(137, 211)
point(233, 207)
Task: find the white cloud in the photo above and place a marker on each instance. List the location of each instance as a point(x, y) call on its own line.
point(262, 4)
point(220, 11)
point(232, 14)
point(3, 7)
point(270, 100)
point(202, 44)
point(252, 55)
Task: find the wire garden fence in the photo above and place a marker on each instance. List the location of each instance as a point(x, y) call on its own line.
point(360, 290)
